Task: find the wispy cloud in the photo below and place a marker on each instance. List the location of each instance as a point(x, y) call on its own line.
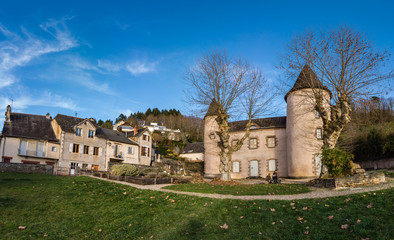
point(19, 49)
point(46, 99)
point(135, 67)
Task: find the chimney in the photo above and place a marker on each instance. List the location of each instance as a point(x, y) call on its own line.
point(135, 130)
point(8, 114)
point(48, 116)
point(92, 120)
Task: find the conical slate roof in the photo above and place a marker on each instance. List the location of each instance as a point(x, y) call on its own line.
point(307, 79)
point(213, 109)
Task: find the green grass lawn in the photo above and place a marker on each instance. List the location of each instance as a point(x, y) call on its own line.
point(245, 189)
point(53, 207)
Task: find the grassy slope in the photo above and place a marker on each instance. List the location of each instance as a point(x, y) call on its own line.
point(253, 189)
point(78, 207)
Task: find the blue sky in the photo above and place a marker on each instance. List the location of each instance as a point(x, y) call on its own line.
point(103, 58)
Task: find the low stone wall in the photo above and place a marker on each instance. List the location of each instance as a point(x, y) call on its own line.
point(26, 168)
point(360, 179)
point(378, 164)
point(352, 181)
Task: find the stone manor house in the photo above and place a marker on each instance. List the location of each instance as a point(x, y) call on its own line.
point(69, 142)
point(290, 145)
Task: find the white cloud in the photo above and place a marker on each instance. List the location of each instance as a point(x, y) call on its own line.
point(137, 67)
point(46, 99)
point(134, 68)
point(108, 66)
point(19, 50)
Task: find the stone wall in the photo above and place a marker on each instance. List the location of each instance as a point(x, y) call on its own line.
point(26, 168)
point(352, 181)
point(379, 164)
point(360, 179)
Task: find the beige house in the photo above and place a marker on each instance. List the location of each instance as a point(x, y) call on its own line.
point(119, 149)
point(80, 146)
point(143, 138)
point(290, 145)
point(193, 152)
point(29, 139)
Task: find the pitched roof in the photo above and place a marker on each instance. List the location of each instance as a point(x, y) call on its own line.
point(29, 126)
point(114, 136)
point(138, 134)
point(307, 79)
point(67, 122)
point(197, 147)
point(273, 122)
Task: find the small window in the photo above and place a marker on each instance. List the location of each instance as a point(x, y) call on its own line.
point(317, 115)
point(272, 165)
point(96, 151)
point(319, 133)
point(84, 166)
point(271, 142)
point(130, 150)
point(78, 132)
point(235, 167)
point(54, 149)
point(85, 149)
point(212, 136)
point(76, 148)
point(253, 143)
point(145, 137)
point(91, 134)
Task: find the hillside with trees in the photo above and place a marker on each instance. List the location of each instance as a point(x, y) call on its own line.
point(191, 128)
point(370, 134)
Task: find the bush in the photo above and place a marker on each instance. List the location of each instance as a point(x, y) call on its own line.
point(338, 162)
point(125, 170)
point(162, 175)
point(151, 175)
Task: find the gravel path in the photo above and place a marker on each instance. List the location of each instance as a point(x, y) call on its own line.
point(315, 193)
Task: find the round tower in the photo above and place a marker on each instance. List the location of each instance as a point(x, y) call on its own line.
point(304, 129)
point(211, 149)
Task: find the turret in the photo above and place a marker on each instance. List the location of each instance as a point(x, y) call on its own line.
point(211, 150)
point(304, 126)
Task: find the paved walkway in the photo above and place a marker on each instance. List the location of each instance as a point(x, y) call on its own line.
point(315, 193)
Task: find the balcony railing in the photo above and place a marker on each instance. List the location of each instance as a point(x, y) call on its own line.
point(31, 153)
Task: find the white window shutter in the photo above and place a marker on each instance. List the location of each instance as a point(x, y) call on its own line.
point(100, 151)
point(71, 147)
point(132, 150)
point(91, 151)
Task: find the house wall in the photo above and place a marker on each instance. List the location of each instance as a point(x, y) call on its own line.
point(302, 142)
point(145, 160)
point(193, 156)
point(68, 156)
point(262, 153)
point(12, 145)
point(123, 150)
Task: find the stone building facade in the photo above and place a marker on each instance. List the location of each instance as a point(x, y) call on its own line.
point(290, 145)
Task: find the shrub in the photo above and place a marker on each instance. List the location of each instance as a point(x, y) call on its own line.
point(338, 162)
point(125, 170)
point(151, 175)
point(162, 175)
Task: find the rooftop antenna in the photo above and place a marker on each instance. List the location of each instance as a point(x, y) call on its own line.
point(12, 102)
point(76, 114)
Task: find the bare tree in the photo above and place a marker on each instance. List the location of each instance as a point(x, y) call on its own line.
point(347, 65)
point(227, 85)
